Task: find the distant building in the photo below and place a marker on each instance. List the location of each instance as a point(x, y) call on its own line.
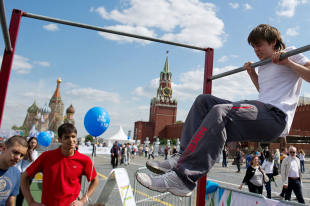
point(50, 116)
point(163, 112)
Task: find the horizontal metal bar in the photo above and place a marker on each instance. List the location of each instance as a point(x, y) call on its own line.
point(5, 31)
point(86, 26)
point(263, 62)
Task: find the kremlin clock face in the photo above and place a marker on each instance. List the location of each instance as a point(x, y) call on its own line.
point(167, 91)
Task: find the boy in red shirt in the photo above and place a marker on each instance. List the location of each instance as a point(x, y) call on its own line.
point(62, 170)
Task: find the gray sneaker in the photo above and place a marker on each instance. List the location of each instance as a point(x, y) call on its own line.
point(169, 182)
point(160, 167)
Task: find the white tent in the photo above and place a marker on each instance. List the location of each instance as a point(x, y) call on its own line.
point(119, 136)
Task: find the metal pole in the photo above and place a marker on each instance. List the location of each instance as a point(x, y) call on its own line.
point(86, 26)
point(7, 60)
point(263, 62)
point(4, 27)
point(207, 88)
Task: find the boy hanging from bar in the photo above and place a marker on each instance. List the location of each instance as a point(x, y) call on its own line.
point(212, 121)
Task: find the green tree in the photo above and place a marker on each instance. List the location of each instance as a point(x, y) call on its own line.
point(89, 138)
point(173, 142)
point(163, 141)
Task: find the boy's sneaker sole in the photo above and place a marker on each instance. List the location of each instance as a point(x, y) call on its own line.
point(155, 169)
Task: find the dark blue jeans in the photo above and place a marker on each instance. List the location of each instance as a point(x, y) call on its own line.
point(294, 185)
point(302, 165)
point(268, 186)
point(224, 163)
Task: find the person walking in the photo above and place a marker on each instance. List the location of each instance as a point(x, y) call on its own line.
point(146, 151)
point(291, 175)
point(166, 152)
point(254, 177)
point(128, 153)
point(238, 159)
point(151, 153)
point(114, 154)
point(224, 162)
point(302, 160)
point(267, 166)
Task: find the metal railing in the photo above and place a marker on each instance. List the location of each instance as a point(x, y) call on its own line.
point(250, 194)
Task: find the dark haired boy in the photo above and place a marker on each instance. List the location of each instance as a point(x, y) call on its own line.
point(62, 170)
point(14, 149)
point(212, 121)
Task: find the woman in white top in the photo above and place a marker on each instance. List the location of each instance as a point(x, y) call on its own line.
point(22, 165)
point(268, 168)
point(302, 160)
point(254, 176)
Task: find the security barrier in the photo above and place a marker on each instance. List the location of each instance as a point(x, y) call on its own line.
point(225, 196)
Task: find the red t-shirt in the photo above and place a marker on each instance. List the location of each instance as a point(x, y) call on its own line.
point(61, 176)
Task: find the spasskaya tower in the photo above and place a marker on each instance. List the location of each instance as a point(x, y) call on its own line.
point(163, 109)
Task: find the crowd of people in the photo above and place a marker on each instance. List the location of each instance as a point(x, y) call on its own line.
point(121, 154)
point(262, 167)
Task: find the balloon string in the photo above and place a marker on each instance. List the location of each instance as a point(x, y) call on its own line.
point(93, 165)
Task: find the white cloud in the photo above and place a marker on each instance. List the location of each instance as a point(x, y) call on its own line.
point(233, 5)
point(94, 94)
point(42, 63)
point(247, 6)
point(51, 27)
point(287, 8)
point(147, 91)
point(226, 58)
point(185, 21)
point(223, 59)
point(139, 30)
point(21, 65)
point(292, 31)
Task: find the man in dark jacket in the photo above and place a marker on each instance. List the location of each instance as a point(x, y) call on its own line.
point(238, 159)
point(114, 154)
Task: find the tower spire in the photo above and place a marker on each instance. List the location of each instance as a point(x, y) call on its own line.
point(166, 67)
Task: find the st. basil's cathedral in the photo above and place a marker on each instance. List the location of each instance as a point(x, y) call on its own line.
point(51, 115)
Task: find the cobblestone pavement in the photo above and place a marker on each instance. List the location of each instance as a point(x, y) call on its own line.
point(224, 176)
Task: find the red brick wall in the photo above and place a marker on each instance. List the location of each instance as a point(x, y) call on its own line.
point(164, 116)
point(143, 130)
point(301, 122)
point(173, 131)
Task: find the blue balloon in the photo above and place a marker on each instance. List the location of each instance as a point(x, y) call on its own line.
point(44, 139)
point(96, 121)
point(211, 187)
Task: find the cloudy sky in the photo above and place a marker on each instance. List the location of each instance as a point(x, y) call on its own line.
point(121, 74)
